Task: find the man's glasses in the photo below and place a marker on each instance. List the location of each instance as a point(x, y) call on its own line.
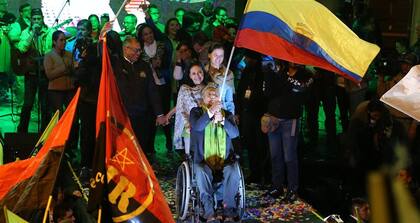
point(137, 50)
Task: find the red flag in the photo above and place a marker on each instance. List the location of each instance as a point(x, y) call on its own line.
point(25, 185)
point(129, 183)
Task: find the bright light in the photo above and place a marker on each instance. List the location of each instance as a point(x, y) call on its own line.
point(133, 7)
point(78, 9)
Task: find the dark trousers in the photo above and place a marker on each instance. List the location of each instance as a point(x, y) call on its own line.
point(165, 97)
point(87, 115)
point(142, 124)
point(229, 189)
point(343, 102)
point(58, 100)
point(326, 95)
point(33, 83)
point(284, 155)
point(256, 143)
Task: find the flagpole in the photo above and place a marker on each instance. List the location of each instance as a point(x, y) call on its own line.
point(246, 6)
point(47, 209)
point(317, 215)
point(76, 179)
point(99, 215)
point(226, 72)
point(119, 10)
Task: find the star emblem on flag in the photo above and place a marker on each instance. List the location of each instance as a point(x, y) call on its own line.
point(122, 158)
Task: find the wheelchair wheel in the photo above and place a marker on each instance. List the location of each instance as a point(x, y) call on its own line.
point(241, 193)
point(182, 190)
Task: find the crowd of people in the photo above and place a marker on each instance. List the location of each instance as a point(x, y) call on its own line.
point(166, 73)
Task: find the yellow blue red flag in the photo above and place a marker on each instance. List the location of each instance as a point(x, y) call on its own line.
point(304, 32)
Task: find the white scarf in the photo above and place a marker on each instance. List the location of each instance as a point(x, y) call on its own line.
point(151, 49)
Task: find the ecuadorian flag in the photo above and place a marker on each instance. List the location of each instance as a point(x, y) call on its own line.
point(304, 32)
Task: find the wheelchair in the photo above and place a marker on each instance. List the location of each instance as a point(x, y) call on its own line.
point(187, 201)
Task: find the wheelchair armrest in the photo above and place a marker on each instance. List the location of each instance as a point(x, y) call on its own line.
point(233, 157)
point(236, 157)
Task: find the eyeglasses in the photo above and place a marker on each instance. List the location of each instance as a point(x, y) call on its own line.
point(137, 50)
point(37, 18)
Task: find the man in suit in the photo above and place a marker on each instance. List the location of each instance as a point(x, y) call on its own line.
point(212, 131)
point(139, 93)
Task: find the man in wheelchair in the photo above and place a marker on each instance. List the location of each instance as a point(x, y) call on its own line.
point(212, 129)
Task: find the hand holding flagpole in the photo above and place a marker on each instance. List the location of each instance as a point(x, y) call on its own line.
point(108, 26)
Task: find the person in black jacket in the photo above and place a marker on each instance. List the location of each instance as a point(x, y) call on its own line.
point(251, 104)
point(87, 75)
point(139, 93)
point(212, 131)
point(286, 90)
point(322, 90)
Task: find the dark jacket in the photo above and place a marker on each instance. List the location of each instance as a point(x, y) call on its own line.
point(137, 88)
point(256, 103)
point(199, 120)
point(88, 75)
point(287, 94)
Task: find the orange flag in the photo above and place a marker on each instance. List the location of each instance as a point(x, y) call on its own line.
point(25, 185)
point(121, 172)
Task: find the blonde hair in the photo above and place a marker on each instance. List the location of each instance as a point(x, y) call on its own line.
point(210, 87)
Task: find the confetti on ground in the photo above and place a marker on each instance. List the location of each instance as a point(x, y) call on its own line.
point(260, 208)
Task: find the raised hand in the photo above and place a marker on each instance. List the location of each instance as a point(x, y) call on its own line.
point(145, 8)
point(215, 107)
point(218, 117)
point(107, 27)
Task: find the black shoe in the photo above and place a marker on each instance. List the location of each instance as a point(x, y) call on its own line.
point(290, 197)
point(275, 193)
